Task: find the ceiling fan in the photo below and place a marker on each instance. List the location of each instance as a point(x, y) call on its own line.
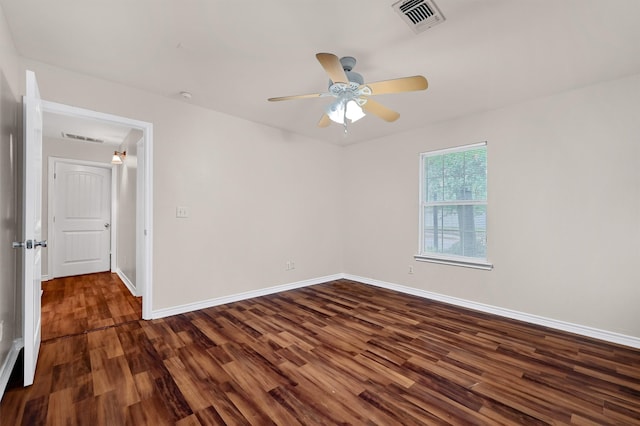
point(353, 96)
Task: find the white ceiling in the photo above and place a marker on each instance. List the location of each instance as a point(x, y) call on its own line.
point(233, 55)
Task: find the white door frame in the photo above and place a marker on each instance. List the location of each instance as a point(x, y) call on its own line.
point(144, 195)
point(52, 208)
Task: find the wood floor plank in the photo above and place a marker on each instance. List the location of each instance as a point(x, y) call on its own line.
point(35, 412)
point(326, 387)
point(150, 411)
point(335, 353)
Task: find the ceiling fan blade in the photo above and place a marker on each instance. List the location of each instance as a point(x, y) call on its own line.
point(286, 98)
point(324, 121)
point(380, 110)
point(333, 67)
point(406, 84)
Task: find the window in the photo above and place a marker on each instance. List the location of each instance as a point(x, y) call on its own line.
point(453, 206)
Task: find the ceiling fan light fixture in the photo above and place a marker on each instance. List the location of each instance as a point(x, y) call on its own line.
point(354, 111)
point(345, 109)
point(351, 94)
point(335, 111)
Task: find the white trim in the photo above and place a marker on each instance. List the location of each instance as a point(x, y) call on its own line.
point(140, 239)
point(113, 249)
point(145, 285)
point(127, 282)
point(8, 364)
point(147, 130)
point(452, 149)
point(466, 262)
point(181, 309)
point(46, 276)
point(582, 330)
point(51, 204)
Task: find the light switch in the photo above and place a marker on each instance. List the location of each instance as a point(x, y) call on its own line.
point(182, 212)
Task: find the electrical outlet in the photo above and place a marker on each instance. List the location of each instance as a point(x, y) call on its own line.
point(411, 269)
point(182, 212)
point(289, 265)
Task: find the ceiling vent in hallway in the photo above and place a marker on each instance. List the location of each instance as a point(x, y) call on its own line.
point(81, 138)
point(419, 14)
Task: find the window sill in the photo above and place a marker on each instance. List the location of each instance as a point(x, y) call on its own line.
point(455, 262)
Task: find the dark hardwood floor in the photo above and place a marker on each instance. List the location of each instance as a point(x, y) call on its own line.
point(75, 305)
point(335, 353)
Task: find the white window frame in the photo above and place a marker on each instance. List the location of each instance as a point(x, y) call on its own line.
point(447, 259)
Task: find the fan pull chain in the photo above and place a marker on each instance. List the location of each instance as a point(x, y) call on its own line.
point(344, 119)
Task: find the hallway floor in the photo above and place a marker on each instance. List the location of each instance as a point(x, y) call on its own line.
point(76, 305)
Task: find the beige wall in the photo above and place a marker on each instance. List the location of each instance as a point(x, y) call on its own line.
point(10, 139)
point(127, 179)
point(563, 202)
point(69, 149)
point(257, 197)
point(563, 214)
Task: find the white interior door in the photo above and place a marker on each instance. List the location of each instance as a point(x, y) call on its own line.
point(32, 220)
point(82, 219)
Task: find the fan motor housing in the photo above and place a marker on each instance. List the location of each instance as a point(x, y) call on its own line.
point(348, 62)
point(354, 77)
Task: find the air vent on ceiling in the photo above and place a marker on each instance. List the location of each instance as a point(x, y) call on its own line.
point(81, 138)
point(419, 14)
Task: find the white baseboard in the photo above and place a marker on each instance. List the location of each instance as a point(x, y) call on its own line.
point(175, 310)
point(127, 282)
point(8, 364)
point(45, 277)
point(582, 330)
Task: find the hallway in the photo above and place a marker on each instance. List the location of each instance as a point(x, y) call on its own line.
point(76, 305)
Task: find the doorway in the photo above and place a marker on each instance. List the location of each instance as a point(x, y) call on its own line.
point(143, 185)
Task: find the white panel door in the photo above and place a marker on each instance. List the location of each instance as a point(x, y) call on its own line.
point(82, 219)
point(32, 227)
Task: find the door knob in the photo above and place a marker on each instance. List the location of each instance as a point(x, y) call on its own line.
point(106, 225)
point(29, 244)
